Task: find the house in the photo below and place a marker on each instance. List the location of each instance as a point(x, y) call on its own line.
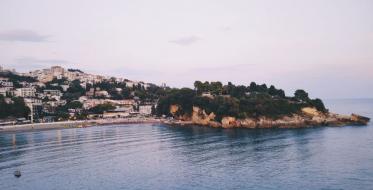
point(51, 93)
point(145, 109)
point(115, 114)
point(35, 105)
point(64, 87)
point(3, 91)
point(57, 71)
point(25, 92)
point(5, 84)
point(207, 94)
point(102, 93)
point(90, 93)
point(129, 84)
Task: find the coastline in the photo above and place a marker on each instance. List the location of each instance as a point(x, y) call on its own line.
point(228, 122)
point(76, 124)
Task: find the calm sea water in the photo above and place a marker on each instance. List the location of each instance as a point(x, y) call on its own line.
point(160, 157)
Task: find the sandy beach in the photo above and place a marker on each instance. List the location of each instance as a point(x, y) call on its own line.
point(76, 124)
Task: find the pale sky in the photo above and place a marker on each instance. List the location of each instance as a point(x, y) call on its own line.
point(322, 46)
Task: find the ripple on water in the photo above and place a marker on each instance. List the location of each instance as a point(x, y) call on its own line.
point(144, 156)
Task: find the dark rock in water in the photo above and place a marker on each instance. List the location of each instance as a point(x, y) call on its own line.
point(17, 173)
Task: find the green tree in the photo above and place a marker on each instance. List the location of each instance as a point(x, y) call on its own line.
point(301, 95)
point(74, 91)
point(216, 88)
point(198, 86)
point(319, 105)
point(253, 87)
point(101, 108)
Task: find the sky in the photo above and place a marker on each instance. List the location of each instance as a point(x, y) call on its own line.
point(322, 46)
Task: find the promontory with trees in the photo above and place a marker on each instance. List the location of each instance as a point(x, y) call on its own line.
point(254, 106)
point(58, 94)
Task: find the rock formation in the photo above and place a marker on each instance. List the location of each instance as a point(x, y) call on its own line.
point(308, 117)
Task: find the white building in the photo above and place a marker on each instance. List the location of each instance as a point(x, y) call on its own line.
point(5, 84)
point(145, 109)
point(52, 93)
point(3, 91)
point(57, 71)
point(25, 92)
point(102, 93)
point(64, 87)
point(129, 84)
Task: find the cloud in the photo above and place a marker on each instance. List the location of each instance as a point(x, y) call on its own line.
point(186, 41)
point(22, 36)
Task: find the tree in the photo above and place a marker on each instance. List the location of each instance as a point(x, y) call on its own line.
point(216, 88)
point(74, 91)
point(75, 87)
point(272, 90)
point(17, 108)
point(238, 91)
point(101, 108)
point(301, 95)
point(253, 87)
point(319, 105)
point(276, 92)
point(183, 97)
point(198, 87)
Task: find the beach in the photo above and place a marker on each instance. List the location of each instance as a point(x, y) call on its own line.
point(76, 124)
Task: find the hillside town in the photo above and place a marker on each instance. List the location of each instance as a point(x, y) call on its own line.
point(59, 94)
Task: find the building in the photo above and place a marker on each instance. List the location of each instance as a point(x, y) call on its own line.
point(5, 84)
point(64, 87)
point(36, 106)
point(129, 84)
point(25, 92)
point(44, 78)
point(3, 92)
point(207, 95)
point(115, 114)
point(57, 71)
point(145, 109)
point(3, 79)
point(52, 93)
point(89, 103)
point(102, 93)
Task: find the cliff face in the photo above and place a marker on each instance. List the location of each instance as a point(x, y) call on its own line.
point(308, 117)
point(200, 117)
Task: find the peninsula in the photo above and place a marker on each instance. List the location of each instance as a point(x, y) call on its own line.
point(255, 106)
point(67, 95)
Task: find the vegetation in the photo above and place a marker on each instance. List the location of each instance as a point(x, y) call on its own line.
point(16, 79)
point(237, 101)
point(75, 70)
point(74, 91)
point(15, 108)
point(100, 109)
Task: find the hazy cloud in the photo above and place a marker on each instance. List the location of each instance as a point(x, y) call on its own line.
point(22, 36)
point(186, 41)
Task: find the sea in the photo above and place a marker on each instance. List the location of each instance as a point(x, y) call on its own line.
point(156, 156)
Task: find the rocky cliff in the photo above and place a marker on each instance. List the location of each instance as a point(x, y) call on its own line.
point(307, 118)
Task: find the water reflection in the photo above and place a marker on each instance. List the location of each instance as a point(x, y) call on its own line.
point(162, 157)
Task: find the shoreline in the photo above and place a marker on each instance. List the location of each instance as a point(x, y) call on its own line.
point(171, 123)
point(76, 124)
